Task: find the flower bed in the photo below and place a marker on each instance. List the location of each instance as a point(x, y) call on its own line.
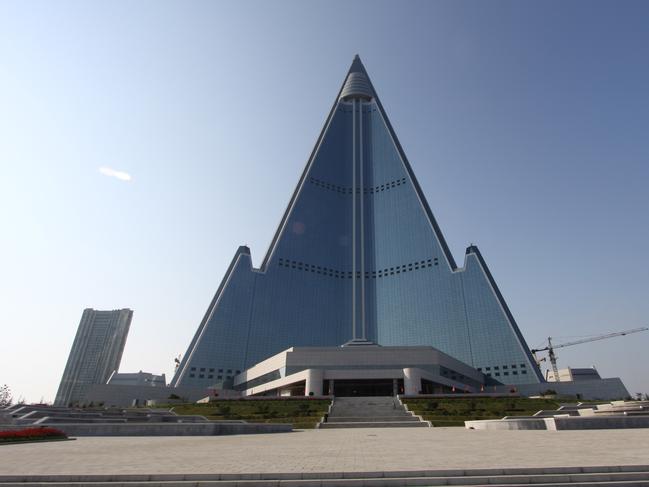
point(32, 434)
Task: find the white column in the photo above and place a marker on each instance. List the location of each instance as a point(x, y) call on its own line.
point(411, 381)
point(314, 378)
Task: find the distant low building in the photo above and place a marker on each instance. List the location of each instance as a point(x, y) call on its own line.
point(571, 375)
point(96, 353)
point(137, 379)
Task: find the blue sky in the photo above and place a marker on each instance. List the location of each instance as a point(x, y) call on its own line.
point(525, 122)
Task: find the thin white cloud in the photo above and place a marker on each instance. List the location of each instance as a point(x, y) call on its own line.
point(121, 175)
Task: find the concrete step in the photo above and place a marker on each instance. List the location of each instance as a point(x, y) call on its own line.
point(516, 477)
point(376, 419)
point(369, 414)
point(376, 400)
point(375, 424)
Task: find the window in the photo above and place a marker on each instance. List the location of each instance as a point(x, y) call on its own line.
point(504, 366)
point(515, 372)
point(513, 366)
point(495, 367)
point(497, 374)
point(211, 370)
point(487, 368)
point(210, 376)
point(193, 368)
point(506, 373)
point(202, 369)
point(522, 366)
point(523, 371)
point(201, 376)
point(191, 375)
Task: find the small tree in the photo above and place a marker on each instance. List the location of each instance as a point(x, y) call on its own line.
point(5, 396)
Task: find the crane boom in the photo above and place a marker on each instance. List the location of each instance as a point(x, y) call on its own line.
point(591, 339)
point(602, 337)
point(553, 358)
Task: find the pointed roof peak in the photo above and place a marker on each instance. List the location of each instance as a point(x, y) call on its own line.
point(357, 83)
point(357, 66)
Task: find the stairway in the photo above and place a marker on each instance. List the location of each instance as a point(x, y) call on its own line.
point(370, 412)
point(605, 476)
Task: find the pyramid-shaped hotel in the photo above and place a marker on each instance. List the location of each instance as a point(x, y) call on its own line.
point(358, 270)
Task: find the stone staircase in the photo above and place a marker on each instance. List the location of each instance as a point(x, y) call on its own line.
point(594, 476)
point(370, 412)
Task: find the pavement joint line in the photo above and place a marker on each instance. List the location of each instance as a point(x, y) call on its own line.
point(534, 475)
point(331, 483)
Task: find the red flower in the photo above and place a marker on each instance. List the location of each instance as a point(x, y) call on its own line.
point(38, 432)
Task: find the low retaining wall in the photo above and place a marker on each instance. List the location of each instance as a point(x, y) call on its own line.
point(561, 423)
point(507, 424)
point(166, 429)
point(600, 423)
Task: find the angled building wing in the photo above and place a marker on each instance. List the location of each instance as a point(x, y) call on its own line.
point(358, 257)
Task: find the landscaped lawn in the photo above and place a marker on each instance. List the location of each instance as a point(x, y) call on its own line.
point(454, 411)
point(301, 413)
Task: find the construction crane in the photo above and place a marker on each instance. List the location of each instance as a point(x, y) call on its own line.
point(177, 363)
point(553, 357)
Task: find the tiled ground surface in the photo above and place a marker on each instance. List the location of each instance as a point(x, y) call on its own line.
point(329, 451)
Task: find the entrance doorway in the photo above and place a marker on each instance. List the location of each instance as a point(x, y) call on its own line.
point(363, 387)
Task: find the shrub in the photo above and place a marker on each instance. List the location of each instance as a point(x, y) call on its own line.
point(31, 434)
point(262, 408)
point(223, 410)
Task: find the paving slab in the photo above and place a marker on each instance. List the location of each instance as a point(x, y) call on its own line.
point(336, 450)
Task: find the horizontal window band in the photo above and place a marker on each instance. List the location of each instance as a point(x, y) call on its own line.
point(348, 189)
point(369, 274)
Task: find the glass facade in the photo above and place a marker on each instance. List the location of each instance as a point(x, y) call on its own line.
point(358, 255)
point(96, 353)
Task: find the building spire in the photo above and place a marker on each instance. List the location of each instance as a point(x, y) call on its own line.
point(357, 84)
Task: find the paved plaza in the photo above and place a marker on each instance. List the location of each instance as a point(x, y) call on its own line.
point(345, 450)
